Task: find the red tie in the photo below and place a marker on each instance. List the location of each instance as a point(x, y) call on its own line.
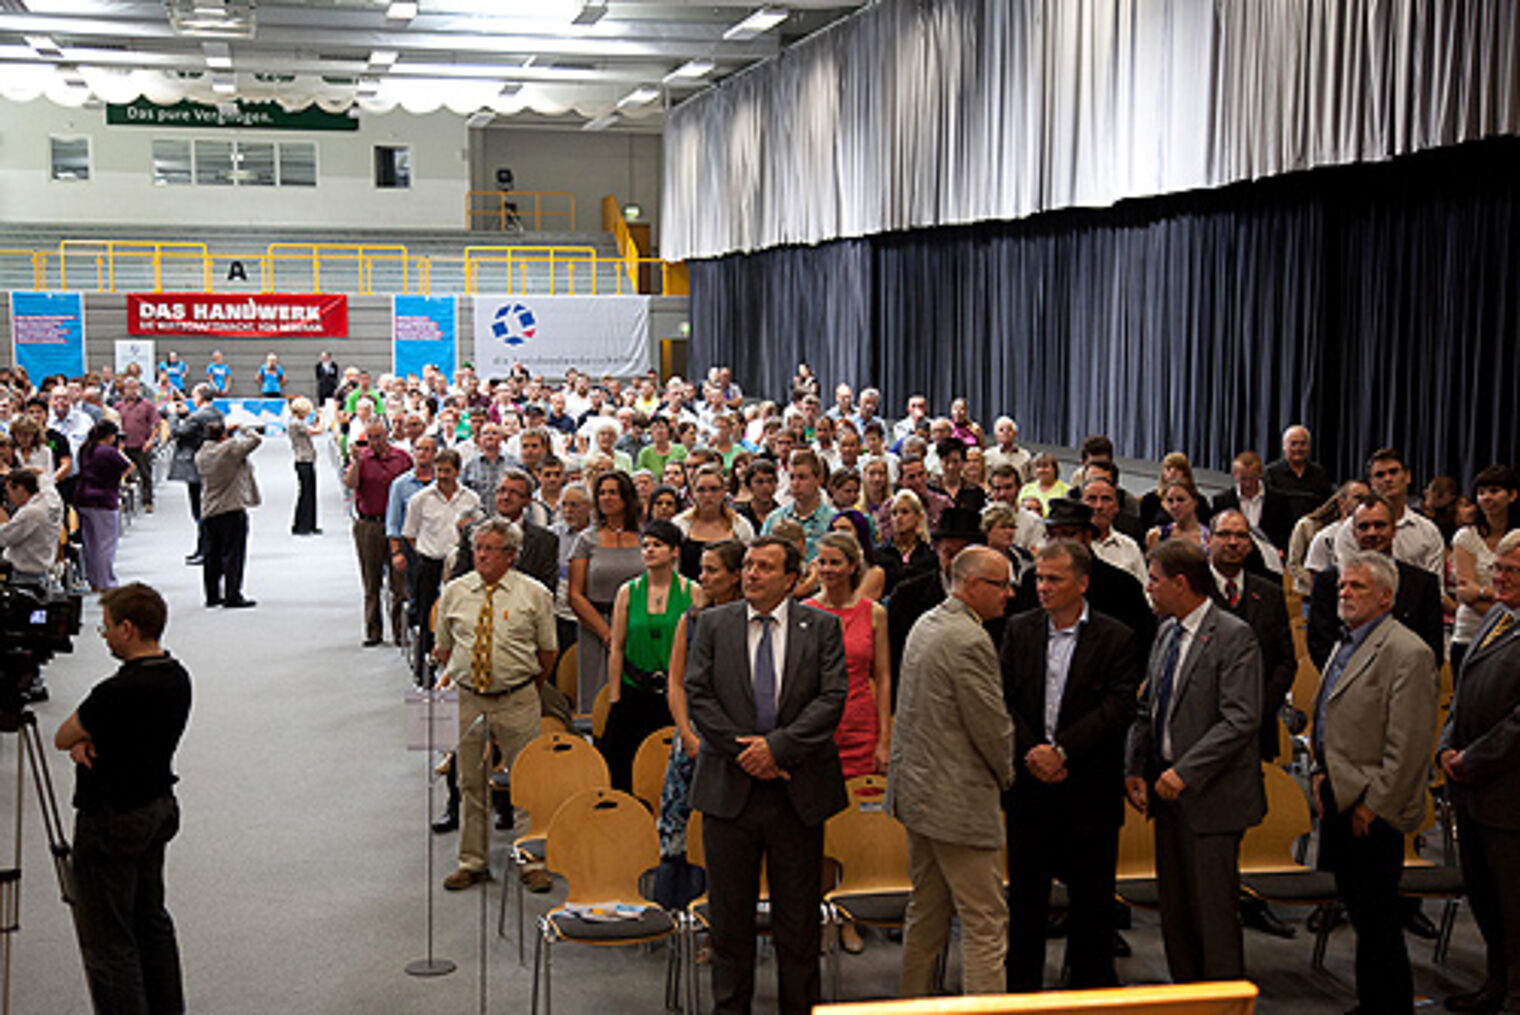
point(1232, 593)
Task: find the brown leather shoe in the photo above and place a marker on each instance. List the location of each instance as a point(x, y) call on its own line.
point(464, 877)
point(537, 880)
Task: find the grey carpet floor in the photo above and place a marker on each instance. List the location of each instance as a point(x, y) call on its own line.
point(298, 881)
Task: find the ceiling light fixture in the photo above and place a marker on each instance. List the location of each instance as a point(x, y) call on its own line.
point(691, 70)
point(483, 118)
point(640, 96)
point(601, 122)
point(591, 12)
point(401, 10)
point(44, 46)
point(510, 88)
point(224, 84)
point(382, 59)
point(368, 88)
point(758, 23)
point(218, 55)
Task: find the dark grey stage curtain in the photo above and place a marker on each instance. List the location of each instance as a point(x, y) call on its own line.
point(1376, 304)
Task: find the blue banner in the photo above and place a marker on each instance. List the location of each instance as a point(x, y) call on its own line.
point(424, 330)
point(47, 332)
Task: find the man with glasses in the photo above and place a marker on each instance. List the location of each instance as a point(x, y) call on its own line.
point(952, 757)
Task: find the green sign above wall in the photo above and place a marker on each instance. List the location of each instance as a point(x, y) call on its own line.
point(258, 115)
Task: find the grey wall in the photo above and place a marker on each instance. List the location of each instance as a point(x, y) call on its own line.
point(367, 346)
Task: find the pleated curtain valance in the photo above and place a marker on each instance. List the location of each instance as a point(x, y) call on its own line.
point(922, 113)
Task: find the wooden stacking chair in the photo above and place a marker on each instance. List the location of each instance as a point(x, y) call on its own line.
point(551, 769)
point(1271, 858)
point(871, 848)
point(649, 767)
point(602, 842)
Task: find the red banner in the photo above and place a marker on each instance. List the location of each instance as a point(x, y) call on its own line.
point(260, 315)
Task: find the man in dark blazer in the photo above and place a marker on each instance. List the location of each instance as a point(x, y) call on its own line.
point(1111, 591)
point(1479, 751)
point(1192, 764)
point(188, 427)
point(1374, 716)
point(1417, 604)
point(1069, 680)
point(327, 378)
point(766, 685)
point(539, 556)
point(1249, 495)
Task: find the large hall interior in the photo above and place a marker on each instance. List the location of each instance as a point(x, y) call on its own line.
point(1113, 273)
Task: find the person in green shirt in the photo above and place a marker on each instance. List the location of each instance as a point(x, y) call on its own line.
point(660, 449)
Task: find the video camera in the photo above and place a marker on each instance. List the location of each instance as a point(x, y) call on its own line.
point(35, 624)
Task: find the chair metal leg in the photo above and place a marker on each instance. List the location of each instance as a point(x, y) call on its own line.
point(548, 940)
point(538, 947)
point(517, 876)
point(1448, 924)
point(1328, 920)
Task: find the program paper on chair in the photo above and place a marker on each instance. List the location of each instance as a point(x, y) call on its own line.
point(1229, 997)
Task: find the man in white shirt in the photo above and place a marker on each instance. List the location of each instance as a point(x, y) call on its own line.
point(1109, 544)
point(434, 516)
point(1007, 451)
point(1416, 540)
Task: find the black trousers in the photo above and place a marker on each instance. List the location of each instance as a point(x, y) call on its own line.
point(131, 955)
point(1367, 874)
point(429, 578)
point(768, 828)
point(226, 552)
point(193, 489)
point(143, 460)
point(1491, 872)
point(635, 715)
point(1044, 842)
point(305, 521)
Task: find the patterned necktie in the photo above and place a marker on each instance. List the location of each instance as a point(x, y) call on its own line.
point(765, 678)
point(1505, 623)
point(480, 659)
point(1164, 689)
point(1232, 592)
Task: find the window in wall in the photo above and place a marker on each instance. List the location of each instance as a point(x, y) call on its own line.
point(171, 163)
point(213, 163)
point(255, 163)
point(70, 158)
point(298, 164)
point(393, 166)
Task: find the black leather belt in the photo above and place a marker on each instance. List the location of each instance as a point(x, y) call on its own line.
point(371, 518)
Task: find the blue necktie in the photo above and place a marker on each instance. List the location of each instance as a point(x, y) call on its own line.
point(765, 679)
point(1163, 699)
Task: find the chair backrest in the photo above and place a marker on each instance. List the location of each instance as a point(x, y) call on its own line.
point(870, 845)
point(1268, 847)
point(1305, 683)
point(552, 768)
point(567, 672)
point(649, 766)
point(601, 841)
point(1137, 848)
point(696, 853)
point(600, 710)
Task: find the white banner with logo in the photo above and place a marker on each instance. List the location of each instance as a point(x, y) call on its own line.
point(550, 334)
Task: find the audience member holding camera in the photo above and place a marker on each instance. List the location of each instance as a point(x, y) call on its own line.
point(228, 489)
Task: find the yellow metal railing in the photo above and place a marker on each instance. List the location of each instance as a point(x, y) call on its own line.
point(364, 258)
point(39, 264)
point(518, 258)
point(509, 209)
point(673, 274)
point(107, 252)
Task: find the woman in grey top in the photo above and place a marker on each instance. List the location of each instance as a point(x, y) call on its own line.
point(605, 555)
point(305, 523)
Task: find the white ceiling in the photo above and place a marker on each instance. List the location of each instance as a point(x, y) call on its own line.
point(524, 59)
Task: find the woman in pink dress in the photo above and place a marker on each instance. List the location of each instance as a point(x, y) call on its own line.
point(864, 734)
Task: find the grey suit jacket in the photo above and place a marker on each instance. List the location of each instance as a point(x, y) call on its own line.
point(1379, 721)
point(1216, 713)
point(189, 434)
point(226, 474)
point(1484, 724)
point(720, 698)
point(952, 754)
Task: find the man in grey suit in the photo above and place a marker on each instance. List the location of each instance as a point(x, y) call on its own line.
point(229, 490)
point(952, 758)
point(1373, 717)
point(1479, 751)
point(765, 686)
point(189, 431)
point(1192, 763)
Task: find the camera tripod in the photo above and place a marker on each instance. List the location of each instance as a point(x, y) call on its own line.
point(28, 756)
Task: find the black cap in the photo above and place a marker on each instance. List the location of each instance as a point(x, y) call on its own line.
point(960, 523)
point(1065, 511)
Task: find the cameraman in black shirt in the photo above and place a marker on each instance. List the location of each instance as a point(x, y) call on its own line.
point(122, 739)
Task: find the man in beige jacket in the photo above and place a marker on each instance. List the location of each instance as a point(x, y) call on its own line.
point(952, 757)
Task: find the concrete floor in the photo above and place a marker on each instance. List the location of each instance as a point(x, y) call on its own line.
point(299, 883)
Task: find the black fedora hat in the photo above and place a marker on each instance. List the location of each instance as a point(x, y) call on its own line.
point(959, 523)
point(1063, 511)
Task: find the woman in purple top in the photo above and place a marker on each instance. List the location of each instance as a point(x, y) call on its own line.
point(97, 497)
